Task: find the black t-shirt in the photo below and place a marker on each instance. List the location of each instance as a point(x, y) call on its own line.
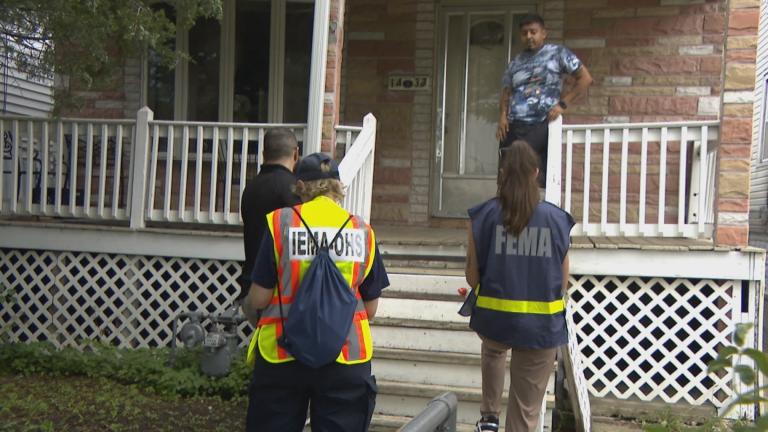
point(268, 191)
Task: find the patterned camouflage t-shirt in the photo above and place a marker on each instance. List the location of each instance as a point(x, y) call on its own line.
point(535, 81)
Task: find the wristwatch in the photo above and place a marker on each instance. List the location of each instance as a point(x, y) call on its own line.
point(562, 104)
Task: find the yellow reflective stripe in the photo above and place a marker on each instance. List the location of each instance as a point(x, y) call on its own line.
point(268, 344)
point(250, 358)
point(521, 306)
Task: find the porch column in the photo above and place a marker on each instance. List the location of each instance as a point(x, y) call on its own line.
point(736, 135)
point(317, 77)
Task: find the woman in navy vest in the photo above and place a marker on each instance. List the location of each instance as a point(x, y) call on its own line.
point(517, 259)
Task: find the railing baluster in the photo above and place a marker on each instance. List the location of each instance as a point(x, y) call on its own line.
point(117, 170)
point(60, 145)
point(606, 169)
point(14, 166)
point(228, 175)
point(623, 192)
point(153, 170)
point(103, 168)
point(168, 174)
point(662, 177)
point(88, 169)
point(75, 140)
point(681, 180)
point(348, 143)
point(44, 169)
point(2, 165)
point(198, 173)
point(243, 166)
point(703, 176)
point(30, 164)
point(587, 172)
point(568, 170)
point(643, 173)
point(260, 153)
point(214, 173)
point(183, 175)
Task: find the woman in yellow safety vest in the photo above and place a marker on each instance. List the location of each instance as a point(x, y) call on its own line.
point(342, 393)
point(517, 260)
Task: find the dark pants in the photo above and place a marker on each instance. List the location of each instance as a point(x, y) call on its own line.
point(537, 136)
point(340, 397)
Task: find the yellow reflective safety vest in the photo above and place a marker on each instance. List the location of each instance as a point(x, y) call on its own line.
point(353, 255)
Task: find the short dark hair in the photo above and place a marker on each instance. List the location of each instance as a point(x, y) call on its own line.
point(532, 18)
point(279, 143)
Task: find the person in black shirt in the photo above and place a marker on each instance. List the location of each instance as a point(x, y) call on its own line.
point(270, 190)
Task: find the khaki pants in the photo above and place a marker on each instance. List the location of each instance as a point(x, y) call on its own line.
point(529, 373)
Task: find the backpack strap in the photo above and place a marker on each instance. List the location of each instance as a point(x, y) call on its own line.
point(313, 236)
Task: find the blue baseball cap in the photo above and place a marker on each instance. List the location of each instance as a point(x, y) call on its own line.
point(309, 168)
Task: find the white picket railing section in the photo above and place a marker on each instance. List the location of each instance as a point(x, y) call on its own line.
point(197, 171)
point(146, 170)
point(66, 167)
point(634, 179)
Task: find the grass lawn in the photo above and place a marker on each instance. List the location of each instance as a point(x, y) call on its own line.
point(60, 403)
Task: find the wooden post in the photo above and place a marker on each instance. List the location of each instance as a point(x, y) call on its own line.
point(554, 162)
point(139, 163)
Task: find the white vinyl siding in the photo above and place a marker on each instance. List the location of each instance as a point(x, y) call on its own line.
point(21, 94)
point(758, 206)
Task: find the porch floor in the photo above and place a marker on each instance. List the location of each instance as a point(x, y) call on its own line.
point(452, 238)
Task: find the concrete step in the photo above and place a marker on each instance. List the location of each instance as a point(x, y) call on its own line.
point(427, 367)
point(419, 285)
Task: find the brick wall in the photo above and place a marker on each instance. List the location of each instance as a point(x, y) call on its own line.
point(331, 100)
point(118, 98)
point(735, 148)
point(382, 39)
point(652, 60)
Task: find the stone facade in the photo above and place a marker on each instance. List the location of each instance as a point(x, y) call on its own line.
point(732, 204)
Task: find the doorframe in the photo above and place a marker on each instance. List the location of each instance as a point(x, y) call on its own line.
point(445, 9)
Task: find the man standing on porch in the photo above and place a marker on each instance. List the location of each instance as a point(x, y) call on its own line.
point(531, 89)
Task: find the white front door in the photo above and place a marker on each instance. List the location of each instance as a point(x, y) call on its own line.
point(476, 46)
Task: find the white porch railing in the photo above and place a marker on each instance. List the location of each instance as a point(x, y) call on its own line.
point(65, 167)
point(641, 179)
point(197, 171)
point(147, 170)
point(356, 169)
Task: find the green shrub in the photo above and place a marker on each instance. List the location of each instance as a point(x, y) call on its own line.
point(144, 367)
point(732, 357)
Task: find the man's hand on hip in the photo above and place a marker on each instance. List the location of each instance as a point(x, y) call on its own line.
point(555, 112)
point(503, 129)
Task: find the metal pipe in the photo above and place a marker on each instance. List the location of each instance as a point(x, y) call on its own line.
point(439, 415)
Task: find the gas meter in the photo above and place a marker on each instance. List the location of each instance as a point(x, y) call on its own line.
point(219, 339)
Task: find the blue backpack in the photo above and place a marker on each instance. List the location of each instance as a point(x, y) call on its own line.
point(322, 309)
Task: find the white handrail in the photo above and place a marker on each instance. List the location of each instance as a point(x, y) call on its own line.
point(356, 170)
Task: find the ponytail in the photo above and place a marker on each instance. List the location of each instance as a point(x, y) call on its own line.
point(518, 190)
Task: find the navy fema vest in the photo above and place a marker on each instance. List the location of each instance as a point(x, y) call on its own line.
point(520, 302)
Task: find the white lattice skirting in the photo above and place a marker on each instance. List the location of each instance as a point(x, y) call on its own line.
point(651, 339)
point(126, 300)
point(647, 339)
